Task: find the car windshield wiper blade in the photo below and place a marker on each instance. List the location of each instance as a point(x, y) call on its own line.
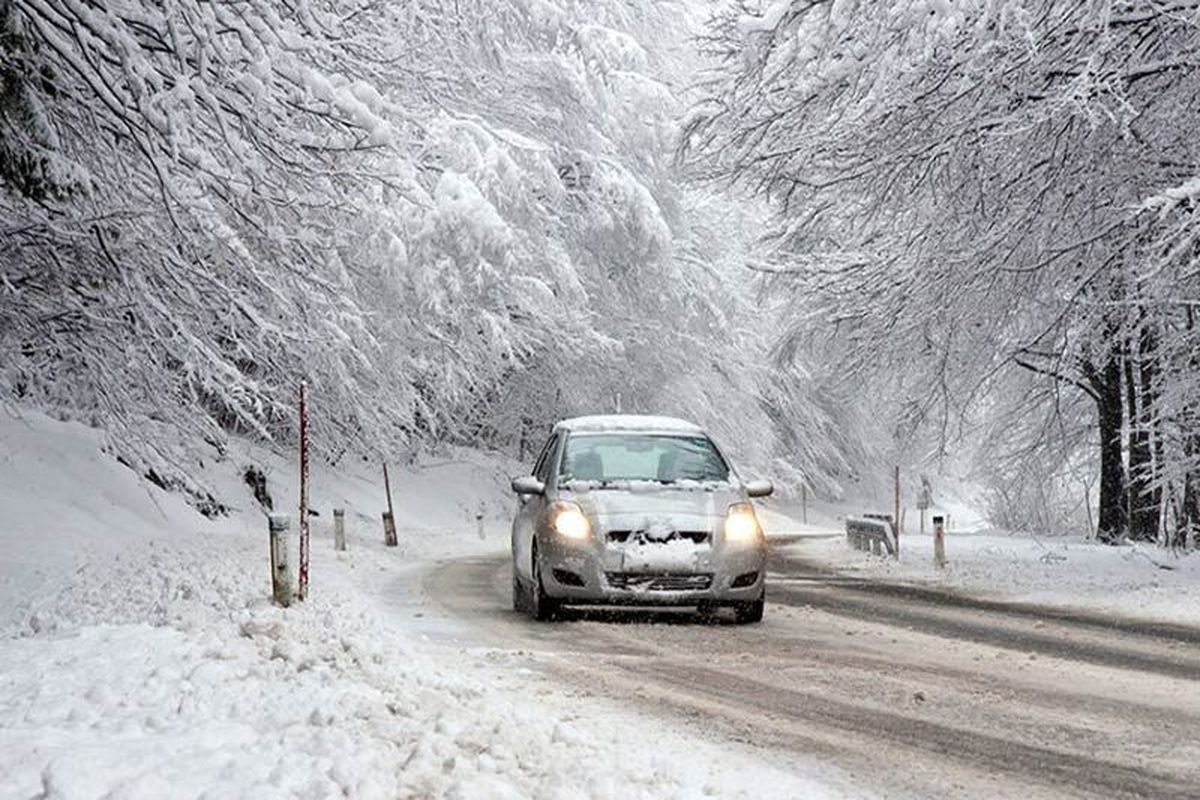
point(591, 483)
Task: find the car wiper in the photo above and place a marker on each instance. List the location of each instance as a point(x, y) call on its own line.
point(591, 483)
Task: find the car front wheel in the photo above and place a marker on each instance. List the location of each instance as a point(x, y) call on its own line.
point(542, 607)
point(750, 612)
point(518, 592)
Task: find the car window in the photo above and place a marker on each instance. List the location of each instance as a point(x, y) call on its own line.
point(541, 470)
point(641, 457)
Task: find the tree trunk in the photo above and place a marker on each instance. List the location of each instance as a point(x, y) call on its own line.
point(1106, 382)
point(1188, 531)
point(1143, 499)
point(1151, 503)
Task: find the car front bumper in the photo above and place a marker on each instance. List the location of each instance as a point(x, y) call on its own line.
point(612, 574)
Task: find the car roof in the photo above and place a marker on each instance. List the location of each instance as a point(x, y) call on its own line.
point(627, 423)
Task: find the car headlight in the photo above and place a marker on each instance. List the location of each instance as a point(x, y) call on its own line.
point(741, 523)
point(570, 522)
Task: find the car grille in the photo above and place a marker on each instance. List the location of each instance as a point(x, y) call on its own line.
point(660, 582)
point(699, 537)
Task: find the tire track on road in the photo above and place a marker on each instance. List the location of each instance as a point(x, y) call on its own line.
point(1039, 764)
point(1123, 644)
point(798, 684)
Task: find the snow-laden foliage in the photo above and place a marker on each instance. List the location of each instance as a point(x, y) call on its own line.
point(975, 195)
point(212, 167)
point(455, 220)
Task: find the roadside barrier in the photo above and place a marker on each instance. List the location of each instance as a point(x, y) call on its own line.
point(872, 532)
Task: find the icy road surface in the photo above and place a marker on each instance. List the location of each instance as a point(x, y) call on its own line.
point(910, 691)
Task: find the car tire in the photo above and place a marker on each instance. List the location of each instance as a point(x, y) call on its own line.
point(520, 598)
point(542, 607)
point(747, 613)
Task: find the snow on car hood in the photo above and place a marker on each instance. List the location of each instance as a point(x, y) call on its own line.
point(635, 501)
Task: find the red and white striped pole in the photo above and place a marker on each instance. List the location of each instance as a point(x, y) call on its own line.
point(302, 592)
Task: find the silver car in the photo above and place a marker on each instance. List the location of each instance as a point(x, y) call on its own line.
point(632, 510)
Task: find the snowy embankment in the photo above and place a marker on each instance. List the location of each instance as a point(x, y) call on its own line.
point(139, 656)
point(1068, 571)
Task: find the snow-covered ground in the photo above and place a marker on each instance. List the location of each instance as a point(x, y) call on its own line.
point(1070, 571)
point(140, 658)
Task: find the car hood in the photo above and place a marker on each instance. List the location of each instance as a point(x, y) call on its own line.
point(635, 504)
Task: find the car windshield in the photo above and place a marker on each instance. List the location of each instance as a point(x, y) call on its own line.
point(622, 457)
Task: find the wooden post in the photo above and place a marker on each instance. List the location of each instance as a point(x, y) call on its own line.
point(804, 503)
point(896, 508)
point(339, 529)
point(389, 529)
point(387, 488)
point(939, 541)
point(281, 579)
point(302, 591)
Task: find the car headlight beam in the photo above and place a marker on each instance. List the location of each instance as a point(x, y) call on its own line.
point(741, 523)
point(570, 522)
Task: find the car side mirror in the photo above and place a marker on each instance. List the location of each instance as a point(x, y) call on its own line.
point(759, 488)
point(528, 484)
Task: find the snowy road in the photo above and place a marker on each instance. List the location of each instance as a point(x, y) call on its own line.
point(909, 691)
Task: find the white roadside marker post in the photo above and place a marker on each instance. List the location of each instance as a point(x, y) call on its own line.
point(939, 541)
point(339, 529)
point(281, 579)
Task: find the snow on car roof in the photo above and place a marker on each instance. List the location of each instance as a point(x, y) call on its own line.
point(601, 423)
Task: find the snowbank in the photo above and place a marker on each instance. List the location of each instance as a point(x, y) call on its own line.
point(64, 504)
point(67, 507)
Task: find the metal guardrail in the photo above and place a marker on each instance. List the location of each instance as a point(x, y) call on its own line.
point(873, 532)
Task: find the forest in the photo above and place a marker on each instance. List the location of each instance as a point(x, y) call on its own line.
point(840, 234)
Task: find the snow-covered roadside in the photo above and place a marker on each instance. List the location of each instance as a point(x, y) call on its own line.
point(139, 656)
point(1133, 581)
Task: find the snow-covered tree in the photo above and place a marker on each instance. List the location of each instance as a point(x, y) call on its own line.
point(456, 219)
point(958, 189)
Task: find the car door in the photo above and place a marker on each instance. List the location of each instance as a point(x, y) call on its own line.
point(530, 510)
